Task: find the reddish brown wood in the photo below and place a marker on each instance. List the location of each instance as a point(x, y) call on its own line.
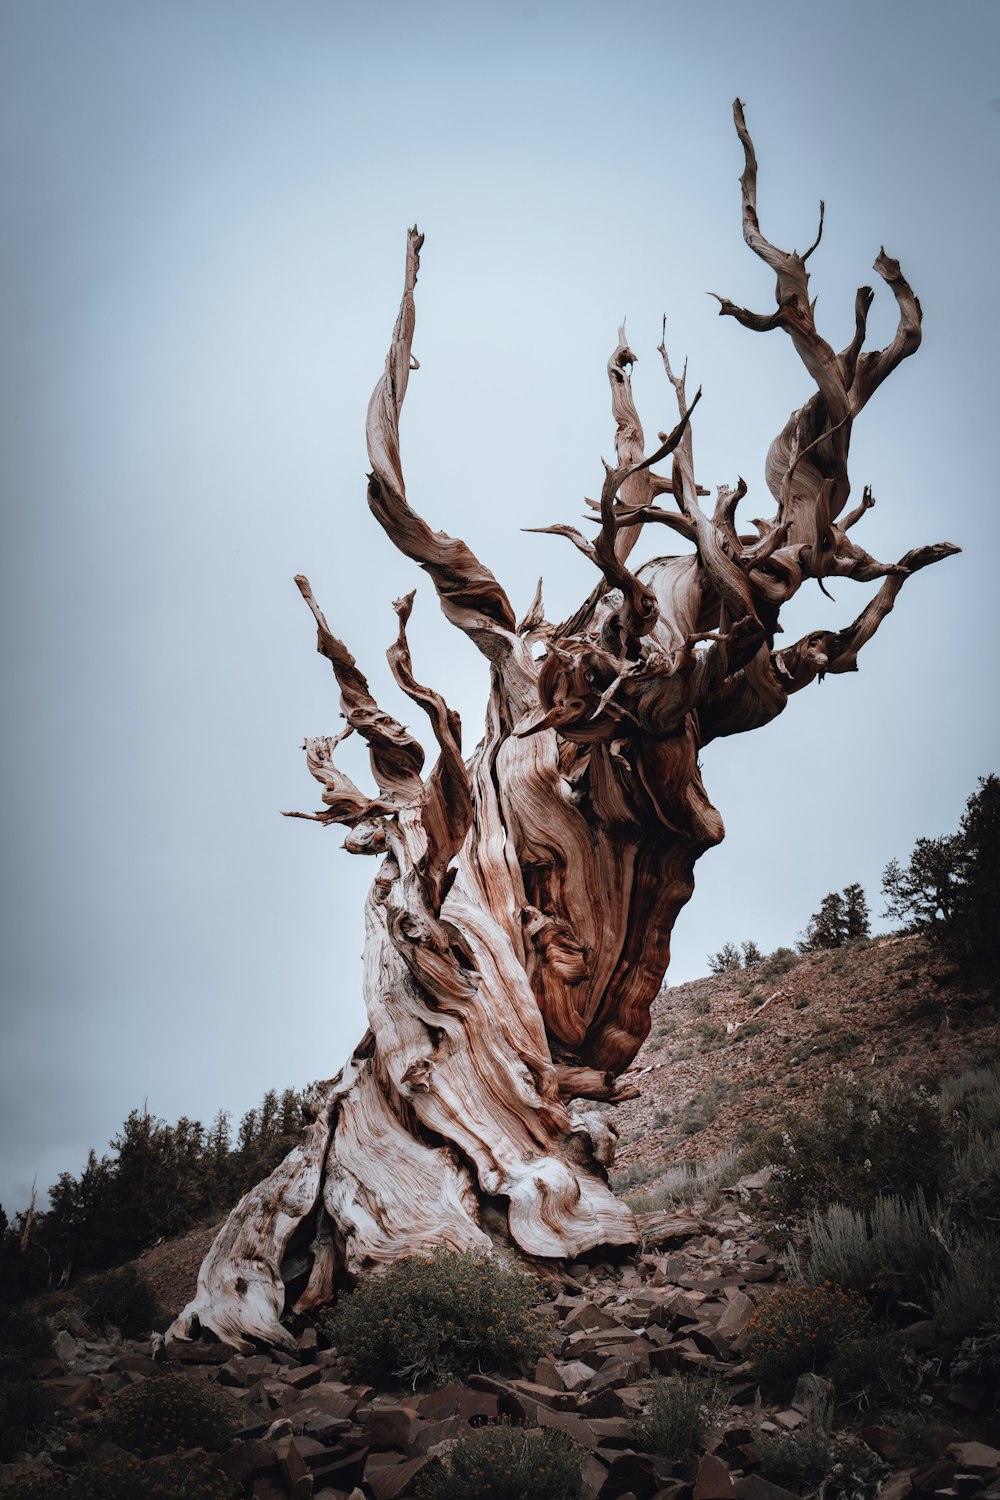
point(518, 926)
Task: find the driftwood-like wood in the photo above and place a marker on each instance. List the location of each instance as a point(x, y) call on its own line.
point(518, 926)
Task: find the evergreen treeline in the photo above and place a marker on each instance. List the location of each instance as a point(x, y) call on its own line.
point(158, 1181)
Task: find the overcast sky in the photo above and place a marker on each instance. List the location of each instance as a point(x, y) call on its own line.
point(206, 208)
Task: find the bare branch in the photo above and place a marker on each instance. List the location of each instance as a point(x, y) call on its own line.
point(470, 595)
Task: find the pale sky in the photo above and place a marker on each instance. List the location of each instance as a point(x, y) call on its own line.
point(206, 209)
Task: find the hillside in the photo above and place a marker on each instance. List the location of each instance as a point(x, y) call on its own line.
point(731, 1054)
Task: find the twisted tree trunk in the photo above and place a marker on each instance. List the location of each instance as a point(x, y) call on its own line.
point(519, 923)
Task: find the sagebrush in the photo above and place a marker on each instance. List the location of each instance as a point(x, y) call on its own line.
point(430, 1318)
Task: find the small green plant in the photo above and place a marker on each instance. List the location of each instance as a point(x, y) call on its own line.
point(438, 1317)
point(501, 1462)
point(168, 1413)
point(24, 1409)
point(678, 1415)
point(125, 1477)
point(124, 1300)
point(799, 1328)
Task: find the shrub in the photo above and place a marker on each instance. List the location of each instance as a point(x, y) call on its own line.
point(871, 1368)
point(23, 1337)
point(124, 1300)
point(862, 1142)
point(690, 1182)
point(678, 1416)
point(24, 1408)
point(918, 1440)
point(978, 1355)
point(893, 1247)
point(812, 1461)
point(799, 1328)
point(168, 1413)
point(439, 1317)
point(966, 1302)
point(500, 1462)
point(125, 1477)
point(972, 1188)
point(972, 1099)
point(777, 963)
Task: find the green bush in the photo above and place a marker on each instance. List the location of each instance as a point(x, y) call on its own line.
point(690, 1182)
point(972, 1188)
point(168, 1413)
point(894, 1247)
point(968, 1297)
point(781, 961)
point(799, 1328)
point(972, 1099)
point(800, 1462)
point(124, 1300)
point(501, 1462)
point(871, 1369)
point(810, 1461)
point(862, 1142)
point(918, 1440)
point(678, 1415)
point(24, 1408)
point(125, 1477)
point(978, 1355)
point(23, 1337)
point(439, 1317)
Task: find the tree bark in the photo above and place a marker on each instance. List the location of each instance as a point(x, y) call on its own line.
point(518, 927)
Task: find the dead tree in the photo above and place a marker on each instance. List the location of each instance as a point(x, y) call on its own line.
point(518, 926)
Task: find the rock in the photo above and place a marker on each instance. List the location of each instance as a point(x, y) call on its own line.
point(630, 1473)
point(885, 1441)
point(896, 1487)
point(574, 1374)
point(713, 1480)
point(305, 1376)
point(736, 1316)
point(252, 1459)
point(755, 1487)
point(199, 1354)
point(268, 1489)
point(589, 1318)
point(928, 1478)
point(67, 1347)
point(756, 1181)
point(970, 1397)
point(294, 1470)
point(440, 1403)
point(80, 1393)
point(921, 1336)
point(789, 1420)
point(389, 1426)
point(342, 1474)
point(976, 1458)
point(388, 1481)
point(547, 1373)
point(811, 1391)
